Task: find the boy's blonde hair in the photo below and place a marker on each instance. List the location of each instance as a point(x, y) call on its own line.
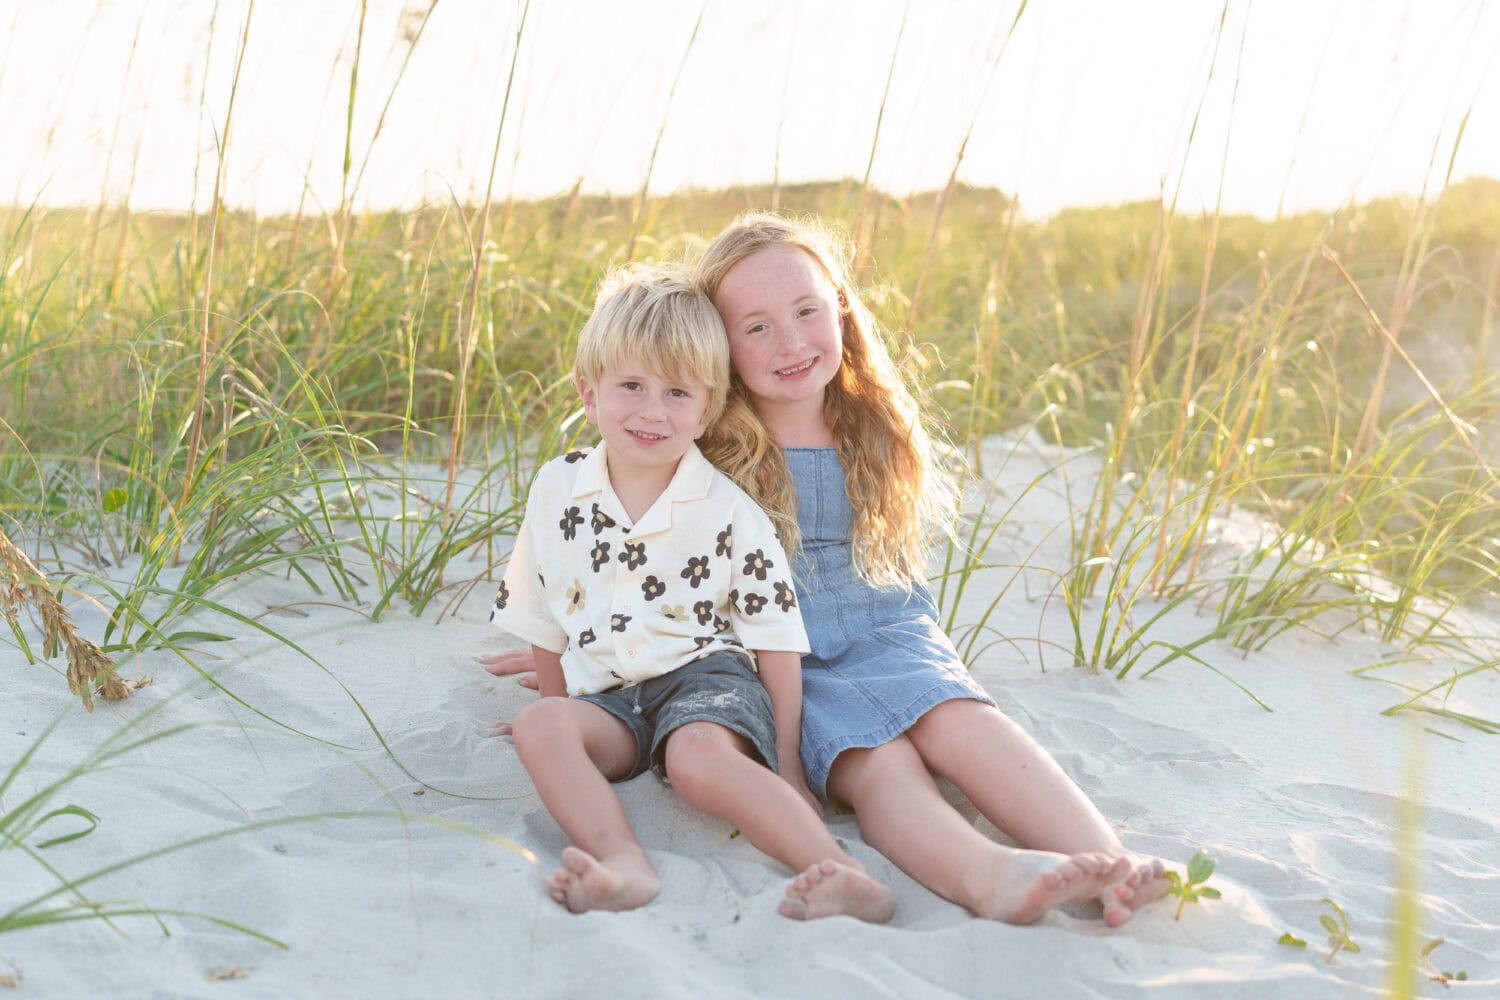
point(899, 492)
point(655, 316)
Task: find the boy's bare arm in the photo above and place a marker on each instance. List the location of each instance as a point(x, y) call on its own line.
point(549, 673)
point(781, 673)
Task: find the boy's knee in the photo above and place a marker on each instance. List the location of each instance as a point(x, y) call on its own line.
point(694, 751)
point(541, 724)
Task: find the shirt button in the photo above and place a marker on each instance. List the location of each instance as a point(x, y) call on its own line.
point(630, 653)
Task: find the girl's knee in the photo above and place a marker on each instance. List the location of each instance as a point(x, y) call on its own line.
point(882, 766)
point(946, 714)
point(949, 736)
point(959, 721)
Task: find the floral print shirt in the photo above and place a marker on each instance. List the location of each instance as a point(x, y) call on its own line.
point(701, 571)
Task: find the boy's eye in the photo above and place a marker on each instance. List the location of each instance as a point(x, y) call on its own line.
point(630, 386)
point(757, 328)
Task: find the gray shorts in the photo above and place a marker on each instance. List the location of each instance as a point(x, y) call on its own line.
point(722, 688)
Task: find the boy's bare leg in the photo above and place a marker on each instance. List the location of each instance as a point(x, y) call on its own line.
point(571, 748)
point(711, 768)
point(902, 814)
point(1021, 789)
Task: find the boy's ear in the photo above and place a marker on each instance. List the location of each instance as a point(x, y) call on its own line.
point(586, 393)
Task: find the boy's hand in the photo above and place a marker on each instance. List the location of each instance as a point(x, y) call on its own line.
point(514, 661)
point(499, 729)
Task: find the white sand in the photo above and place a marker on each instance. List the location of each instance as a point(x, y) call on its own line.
point(1295, 804)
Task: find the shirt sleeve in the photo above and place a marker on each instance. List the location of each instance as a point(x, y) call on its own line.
point(521, 606)
point(764, 606)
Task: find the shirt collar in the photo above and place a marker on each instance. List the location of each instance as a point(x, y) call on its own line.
point(694, 476)
point(592, 476)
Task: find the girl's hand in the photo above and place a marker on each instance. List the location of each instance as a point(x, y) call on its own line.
point(515, 661)
point(792, 775)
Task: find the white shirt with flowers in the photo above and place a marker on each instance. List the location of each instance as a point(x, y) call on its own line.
point(701, 571)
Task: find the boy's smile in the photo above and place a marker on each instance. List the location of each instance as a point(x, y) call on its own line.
point(648, 421)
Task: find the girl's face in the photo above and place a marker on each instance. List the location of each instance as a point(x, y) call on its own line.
point(785, 336)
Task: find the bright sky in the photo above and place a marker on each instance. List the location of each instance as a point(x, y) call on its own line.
point(1305, 103)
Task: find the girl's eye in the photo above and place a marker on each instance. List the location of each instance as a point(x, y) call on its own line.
point(680, 393)
point(757, 328)
point(807, 310)
point(630, 386)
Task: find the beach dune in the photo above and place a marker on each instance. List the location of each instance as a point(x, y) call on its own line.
point(396, 850)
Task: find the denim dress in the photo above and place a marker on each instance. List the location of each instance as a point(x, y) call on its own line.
point(879, 661)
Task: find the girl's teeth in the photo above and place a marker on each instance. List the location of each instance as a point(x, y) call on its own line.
point(793, 371)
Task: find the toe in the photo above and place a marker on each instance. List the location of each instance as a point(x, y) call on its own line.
point(1115, 912)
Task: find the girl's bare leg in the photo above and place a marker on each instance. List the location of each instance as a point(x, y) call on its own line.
point(902, 814)
point(1021, 789)
point(711, 768)
point(571, 749)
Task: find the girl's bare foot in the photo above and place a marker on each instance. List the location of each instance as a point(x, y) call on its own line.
point(1145, 881)
point(830, 888)
point(622, 882)
point(1023, 885)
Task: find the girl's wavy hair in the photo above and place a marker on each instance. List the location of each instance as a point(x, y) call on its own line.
point(899, 491)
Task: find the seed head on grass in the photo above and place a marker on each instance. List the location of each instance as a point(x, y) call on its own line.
point(87, 663)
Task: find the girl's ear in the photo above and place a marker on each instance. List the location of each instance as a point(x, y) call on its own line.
point(586, 393)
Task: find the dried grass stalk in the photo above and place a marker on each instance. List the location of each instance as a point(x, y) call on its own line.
point(88, 665)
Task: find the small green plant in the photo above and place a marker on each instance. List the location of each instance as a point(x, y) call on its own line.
point(1433, 972)
point(1338, 930)
point(1191, 889)
point(1291, 940)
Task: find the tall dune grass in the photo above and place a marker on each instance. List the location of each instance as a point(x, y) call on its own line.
point(1250, 390)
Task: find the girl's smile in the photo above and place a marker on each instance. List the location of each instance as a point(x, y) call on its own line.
point(785, 334)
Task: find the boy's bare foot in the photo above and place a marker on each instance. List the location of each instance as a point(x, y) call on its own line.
point(832, 888)
point(1024, 885)
point(617, 883)
point(1144, 882)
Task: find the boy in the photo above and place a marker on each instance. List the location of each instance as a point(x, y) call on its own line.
point(642, 577)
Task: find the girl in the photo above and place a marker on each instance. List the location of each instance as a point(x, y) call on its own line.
point(821, 429)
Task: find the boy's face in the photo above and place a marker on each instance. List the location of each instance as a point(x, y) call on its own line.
point(647, 420)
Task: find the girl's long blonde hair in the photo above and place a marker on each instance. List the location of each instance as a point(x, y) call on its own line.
point(900, 493)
